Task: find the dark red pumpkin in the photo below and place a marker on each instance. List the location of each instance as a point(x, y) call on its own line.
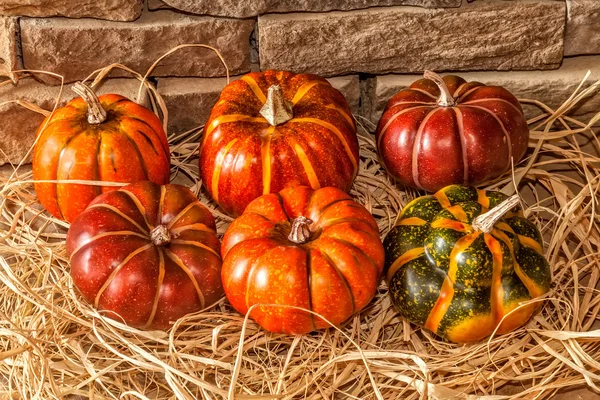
point(109, 139)
point(449, 131)
point(146, 253)
point(317, 250)
point(275, 129)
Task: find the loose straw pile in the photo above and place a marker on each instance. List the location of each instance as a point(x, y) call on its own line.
point(54, 346)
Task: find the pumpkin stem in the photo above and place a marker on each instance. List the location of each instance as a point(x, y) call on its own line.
point(300, 232)
point(446, 99)
point(96, 114)
point(160, 235)
point(276, 109)
point(485, 222)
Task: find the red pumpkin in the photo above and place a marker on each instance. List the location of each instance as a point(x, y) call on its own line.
point(318, 250)
point(109, 139)
point(146, 253)
point(274, 129)
point(449, 131)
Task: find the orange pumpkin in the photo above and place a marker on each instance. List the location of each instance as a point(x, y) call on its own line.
point(274, 129)
point(109, 139)
point(318, 250)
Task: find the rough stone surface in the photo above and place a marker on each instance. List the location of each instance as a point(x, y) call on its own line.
point(190, 100)
point(252, 8)
point(117, 10)
point(158, 5)
point(9, 59)
point(18, 127)
point(550, 87)
point(582, 35)
point(76, 50)
point(483, 35)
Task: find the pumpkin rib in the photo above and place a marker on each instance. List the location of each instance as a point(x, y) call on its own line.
point(337, 221)
point(196, 243)
point(425, 92)
point(417, 147)
point(309, 284)
point(107, 234)
point(332, 203)
point(446, 223)
point(343, 113)
point(218, 167)
point(506, 134)
point(161, 277)
point(166, 151)
point(393, 118)
point(179, 215)
point(138, 152)
point(161, 204)
point(173, 257)
point(192, 227)
point(497, 291)
point(531, 243)
point(117, 269)
point(120, 214)
point(140, 207)
point(307, 165)
point(463, 143)
point(304, 89)
point(336, 132)
point(280, 201)
point(356, 248)
point(265, 149)
point(470, 102)
point(467, 93)
point(340, 274)
point(255, 88)
point(405, 258)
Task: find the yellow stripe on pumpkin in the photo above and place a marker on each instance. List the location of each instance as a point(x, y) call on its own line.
point(442, 198)
point(255, 89)
point(342, 112)
point(412, 221)
point(451, 224)
point(337, 132)
point(531, 243)
point(497, 297)
point(218, 166)
point(482, 198)
point(310, 172)
point(458, 213)
point(265, 150)
point(447, 292)
point(232, 118)
point(409, 255)
point(304, 89)
point(533, 289)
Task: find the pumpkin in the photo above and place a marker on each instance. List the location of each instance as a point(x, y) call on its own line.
point(460, 261)
point(318, 250)
point(275, 129)
point(443, 131)
point(109, 139)
point(146, 254)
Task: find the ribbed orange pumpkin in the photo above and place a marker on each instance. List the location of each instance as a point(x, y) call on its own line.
point(274, 129)
point(109, 139)
point(317, 250)
point(443, 131)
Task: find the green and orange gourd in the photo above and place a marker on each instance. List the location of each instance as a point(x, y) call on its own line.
point(459, 263)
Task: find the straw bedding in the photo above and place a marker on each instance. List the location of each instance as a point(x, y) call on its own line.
point(54, 346)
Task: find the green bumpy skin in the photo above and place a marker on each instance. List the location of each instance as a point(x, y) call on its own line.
point(458, 282)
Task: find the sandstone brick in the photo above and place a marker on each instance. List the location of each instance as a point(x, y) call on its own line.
point(252, 8)
point(76, 50)
point(154, 5)
point(190, 100)
point(17, 131)
point(582, 35)
point(117, 10)
point(483, 35)
point(549, 87)
point(9, 59)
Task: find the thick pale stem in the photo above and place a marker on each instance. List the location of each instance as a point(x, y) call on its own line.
point(160, 236)
point(485, 222)
point(300, 232)
point(96, 114)
point(446, 99)
point(276, 109)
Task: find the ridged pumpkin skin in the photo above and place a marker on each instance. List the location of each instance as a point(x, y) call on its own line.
point(129, 146)
point(335, 273)
point(428, 146)
point(318, 147)
point(456, 281)
point(118, 266)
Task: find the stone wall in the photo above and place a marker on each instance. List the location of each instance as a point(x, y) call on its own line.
point(368, 49)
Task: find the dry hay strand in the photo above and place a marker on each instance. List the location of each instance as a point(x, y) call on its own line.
point(54, 346)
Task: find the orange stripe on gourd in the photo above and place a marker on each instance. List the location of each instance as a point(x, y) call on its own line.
point(218, 166)
point(408, 256)
point(412, 221)
point(497, 291)
point(308, 168)
point(265, 150)
point(304, 89)
point(255, 88)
